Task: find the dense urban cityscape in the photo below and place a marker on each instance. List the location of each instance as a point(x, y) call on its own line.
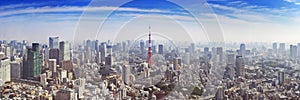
point(148, 69)
point(149, 50)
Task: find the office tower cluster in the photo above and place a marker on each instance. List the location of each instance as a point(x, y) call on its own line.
point(293, 51)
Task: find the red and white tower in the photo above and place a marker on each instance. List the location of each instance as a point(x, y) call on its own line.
point(149, 60)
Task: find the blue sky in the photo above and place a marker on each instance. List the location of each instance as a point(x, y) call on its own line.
point(239, 20)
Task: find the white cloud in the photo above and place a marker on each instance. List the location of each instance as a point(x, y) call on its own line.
point(174, 17)
point(47, 9)
point(225, 8)
point(258, 13)
point(297, 2)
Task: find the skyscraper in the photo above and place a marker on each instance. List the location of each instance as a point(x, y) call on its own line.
point(275, 48)
point(220, 54)
point(239, 66)
point(124, 46)
point(5, 69)
point(125, 74)
point(186, 58)
point(16, 70)
point(282, 48)
point(103, 51)
point(88, 43)
point(54, 54)
point(242, 51)
point(230, 58)
point(161, 49)
point(33, 66)
point(192, 48)
point(53, 42)
point(206, 51)
point(52, 65)
point(109, 60)
point(293, 51)
point(64, 51)
point(142, 46)
point(154, 49)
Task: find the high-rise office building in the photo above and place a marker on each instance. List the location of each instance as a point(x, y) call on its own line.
point(192, 48)
point(52, 65)
point(275, 48)
point(281, 50)
point(64, 51)
point(45, 55)
point(293, 51)
point(142, 46)
point(220, 54)
point(239, 66)
point(206, 51)
point(230, 59)
point(5, 69)
point(161, 49)
point(124, 46)
point(53, 42)
point(186, 58)
point(103, 51)
point(242, 51)
point(154, 49)
point(94, 45)
point(109, 49)
point(125, 74)
point(98, 57)
point(16, 70)
point(54, 54)
point(109, 60)
point(33, 66)
point(88, 43)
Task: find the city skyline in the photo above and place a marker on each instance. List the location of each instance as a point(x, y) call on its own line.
point(150, 50)
point(240, 21)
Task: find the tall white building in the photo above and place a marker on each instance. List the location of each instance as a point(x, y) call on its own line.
point(5, 69)
point(125, 74)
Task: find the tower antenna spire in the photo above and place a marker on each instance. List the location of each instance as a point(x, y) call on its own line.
point(149, 60)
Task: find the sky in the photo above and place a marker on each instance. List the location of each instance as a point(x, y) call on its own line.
point(185, 20)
